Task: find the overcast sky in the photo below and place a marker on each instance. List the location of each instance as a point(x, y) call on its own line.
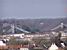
point(33, 8)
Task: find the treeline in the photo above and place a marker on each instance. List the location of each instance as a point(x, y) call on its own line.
point(34, 25)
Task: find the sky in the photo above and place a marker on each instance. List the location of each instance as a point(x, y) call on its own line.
point(33, 9)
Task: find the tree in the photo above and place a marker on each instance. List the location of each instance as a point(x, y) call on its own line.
point(13, 41)
point(41, 41)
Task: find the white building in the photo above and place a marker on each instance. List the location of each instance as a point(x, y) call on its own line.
point(53, 47)
point(15, 35)
point(24, 48)
point(2, 44)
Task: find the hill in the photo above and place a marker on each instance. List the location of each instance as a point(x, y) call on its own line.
point(34, 25)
